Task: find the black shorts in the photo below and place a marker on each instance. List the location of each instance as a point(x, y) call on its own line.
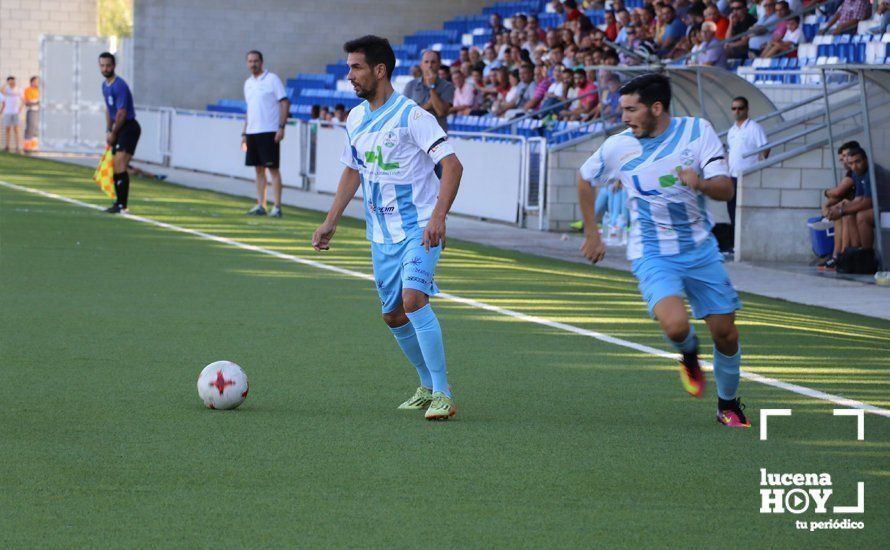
point(127, 137)
point(262, 150)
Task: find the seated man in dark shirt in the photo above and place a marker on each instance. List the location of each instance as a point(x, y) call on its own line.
point(740, 20)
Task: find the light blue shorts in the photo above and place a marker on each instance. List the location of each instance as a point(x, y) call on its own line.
point(698, 276)
point(404, 265)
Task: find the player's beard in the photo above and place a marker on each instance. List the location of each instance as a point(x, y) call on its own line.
point(649, 125)
point(367, 93)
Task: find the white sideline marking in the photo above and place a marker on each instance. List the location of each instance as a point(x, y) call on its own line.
point(802, 390)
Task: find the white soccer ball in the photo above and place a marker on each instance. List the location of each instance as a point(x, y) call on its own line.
point(223, 385)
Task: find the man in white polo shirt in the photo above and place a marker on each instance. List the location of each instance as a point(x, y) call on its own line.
point(744, 136)
point(267, 111)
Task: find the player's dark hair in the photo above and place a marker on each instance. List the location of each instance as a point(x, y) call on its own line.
point(255, 52)
point(377, 51)
point(857, 152)
point(743, 99)
point(8, 78)
point(108, 55)
point(848, 145)
point(339, 107)
point(652, 88)
point(33, 78)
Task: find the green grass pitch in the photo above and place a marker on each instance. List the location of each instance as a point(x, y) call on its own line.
point(562, 440)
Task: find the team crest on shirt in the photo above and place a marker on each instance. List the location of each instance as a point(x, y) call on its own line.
point(417, 114)
point(390, 139)
point(687, 158)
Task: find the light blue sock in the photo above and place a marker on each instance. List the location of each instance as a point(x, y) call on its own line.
point(407, 339)
point(726, 373)
point(429, 336)
point(688, 345)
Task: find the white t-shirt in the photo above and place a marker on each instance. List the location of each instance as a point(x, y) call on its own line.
point(556, 89)
point(395, 150)
point(263, 94)
point(12, 100)
point(666, 217)
point(742, 140)
point(793, 36)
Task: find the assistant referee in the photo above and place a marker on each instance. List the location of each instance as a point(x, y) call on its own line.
point(267, 111)
point(123, 130)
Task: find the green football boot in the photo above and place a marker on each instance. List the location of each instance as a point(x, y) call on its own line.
point(419, 401)
point(441, 408)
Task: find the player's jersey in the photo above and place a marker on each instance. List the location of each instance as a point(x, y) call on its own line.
point(667, 217)
point(395, 149)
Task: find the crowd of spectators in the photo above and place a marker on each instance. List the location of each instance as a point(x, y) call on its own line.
point(527, 69)
point(550, 73)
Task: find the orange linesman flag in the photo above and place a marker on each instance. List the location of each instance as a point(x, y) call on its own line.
point(104, 174)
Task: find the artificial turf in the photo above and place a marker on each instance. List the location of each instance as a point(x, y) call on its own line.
point(562, 440)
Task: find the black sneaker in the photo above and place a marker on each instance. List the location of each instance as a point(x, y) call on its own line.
point(257, 211)
point(731, 413)
point(115, 209)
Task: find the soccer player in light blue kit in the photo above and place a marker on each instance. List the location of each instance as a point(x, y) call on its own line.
point(392, 151)
point(668, 166)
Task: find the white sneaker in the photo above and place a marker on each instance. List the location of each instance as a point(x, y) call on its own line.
point(275, 212)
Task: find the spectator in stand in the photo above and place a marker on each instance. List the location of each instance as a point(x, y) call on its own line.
point(555, 58)
point(495, 24)
point(713, 15)
point(623, 18)
point(445, 73)
point(609, 109)
point(475, 57)
point(710, 52)
point(783, 11)
point(857, 214)
point(431, 91)
point(541, 85)
point(632, 43)
point(556, 93)
point(524, 93)
point(884, 23)
point(674, 30)
point(611, 23)
point(340, 113)
point(466, 96)
point(490, 58)
point(534, 27)
point(463, 58)
point(844, 190)
point(693, 37)
point(761, 33)
point(847, 17)
point(739, 22)
point(648, 23)
point(416, 71)
point(582, 107)
point(572, 11)
point(789, 42)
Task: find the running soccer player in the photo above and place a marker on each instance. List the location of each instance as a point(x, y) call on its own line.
point(123, 130)
point(668, 166)
point(393, 150)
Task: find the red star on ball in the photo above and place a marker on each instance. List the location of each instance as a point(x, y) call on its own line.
point(221, 382)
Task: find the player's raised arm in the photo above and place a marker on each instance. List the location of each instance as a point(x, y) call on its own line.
point(349, 182)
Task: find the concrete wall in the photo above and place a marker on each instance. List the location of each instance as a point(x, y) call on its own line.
point(562, 184)
point(191, 52)
point(23, 21)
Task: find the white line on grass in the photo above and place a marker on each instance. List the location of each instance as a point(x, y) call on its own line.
point(802, 390)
